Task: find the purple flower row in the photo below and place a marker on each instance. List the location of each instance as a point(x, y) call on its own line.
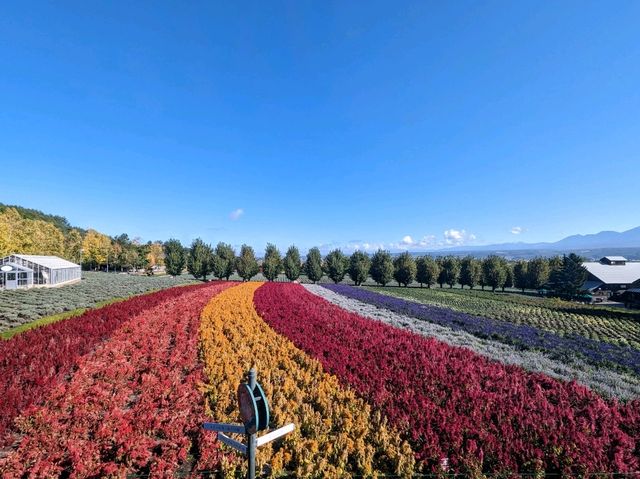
point(520, 335)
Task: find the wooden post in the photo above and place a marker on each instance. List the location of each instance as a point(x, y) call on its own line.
point(251, 438)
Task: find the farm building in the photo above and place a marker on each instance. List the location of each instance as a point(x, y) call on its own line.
point(611, 273)
point(27, 271)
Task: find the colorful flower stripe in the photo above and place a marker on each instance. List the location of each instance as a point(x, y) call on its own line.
point(336, 434)
point(519, 334)
point(451, 403)
point(605, 381)
point(32, 362)
point(133, 406)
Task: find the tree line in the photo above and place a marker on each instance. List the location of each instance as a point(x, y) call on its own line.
point(562, 275)
point(26, 231)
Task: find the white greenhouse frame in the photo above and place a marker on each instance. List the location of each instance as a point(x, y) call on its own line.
point(28, 271)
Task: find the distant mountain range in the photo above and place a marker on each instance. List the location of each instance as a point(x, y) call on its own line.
point(590, 245)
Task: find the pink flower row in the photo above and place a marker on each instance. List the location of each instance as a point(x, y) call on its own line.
point(450, 403)
point(132, 406)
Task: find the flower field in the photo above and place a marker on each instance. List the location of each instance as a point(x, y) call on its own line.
point(32, 362)
point(450, 403)
point(607, 382)
point(122, 391)
point(521, 335)
point(616, 326)
point(21, 306)
point(131, 406)
point(337, 434)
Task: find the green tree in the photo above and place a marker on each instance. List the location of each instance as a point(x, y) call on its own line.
point(569, 278)
point(404, 269)
point(359, 266)
point(335, 265)
point(494, 271)
point(174, 259)
point(508, 281)
point(292, 263)
point(224, 261)
point(427, 271)
point(537, 273)
point(450, 271)
point(200, 259)
point(313, 265)
point(520, 275)
point(272, 263)
point(555, 263)
point(246, 263)
point(470, 272)
point(381, 267)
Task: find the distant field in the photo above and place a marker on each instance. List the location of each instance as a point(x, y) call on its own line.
point(613, 325)
point(22, 306)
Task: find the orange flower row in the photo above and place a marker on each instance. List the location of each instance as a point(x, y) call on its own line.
point(337, 434)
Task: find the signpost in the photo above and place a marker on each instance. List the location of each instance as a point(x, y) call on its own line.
point(254, 411)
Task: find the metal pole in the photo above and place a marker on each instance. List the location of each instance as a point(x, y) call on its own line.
point(251, 438)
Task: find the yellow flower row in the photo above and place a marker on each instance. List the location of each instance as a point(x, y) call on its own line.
point(336, 435)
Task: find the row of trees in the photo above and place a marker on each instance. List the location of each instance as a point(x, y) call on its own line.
point(28, 231)
point(564, 275)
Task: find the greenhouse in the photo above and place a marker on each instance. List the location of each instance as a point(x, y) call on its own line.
point(27, 271)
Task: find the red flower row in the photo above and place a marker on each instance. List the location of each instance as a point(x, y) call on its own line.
point(454, 405)
point(132, 406)
point(32, 362)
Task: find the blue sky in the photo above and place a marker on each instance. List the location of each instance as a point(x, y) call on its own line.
point(420, 124)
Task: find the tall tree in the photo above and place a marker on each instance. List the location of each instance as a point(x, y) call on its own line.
point(359, 266)
point(224, 261)
point(520, 275)
point(427, 271)
point(494, 271)
point(555, 263)
point(155, 255)
point(508, 281)
point(174, 259)
point(313, 265)
point(272, 263)
point(450, 271)
point(246, 263)
point(569, 278)
point(335, 265)
point(73, 246)
point(199, 261)
point(96, 249)
point(404, 269)
point(537, 273)
point(470, 272)
point(292, 263)
point(381, 267)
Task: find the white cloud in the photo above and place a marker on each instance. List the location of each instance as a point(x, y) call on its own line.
point(458, 237)
point(516, 230)
point(407, 240)
point(236, 214)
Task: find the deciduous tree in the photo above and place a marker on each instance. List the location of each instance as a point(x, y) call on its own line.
point(520, 275)
point(335, 265)
point(404, 269)
point(224, 259)
point(313, 265)
point(470, 272)
point(381, 267)
point(200, 259)
point(174, 257)
point(292, 264)
point(246, 263)
point(359, 266)
point(427, 271)
point(272, 263)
